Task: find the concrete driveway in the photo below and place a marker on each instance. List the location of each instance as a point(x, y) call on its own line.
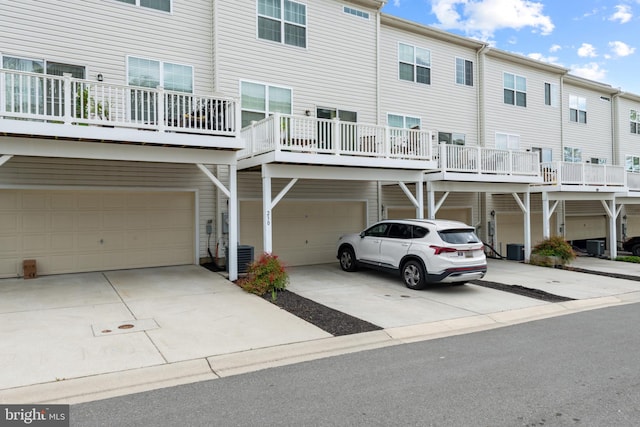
point(54, 328)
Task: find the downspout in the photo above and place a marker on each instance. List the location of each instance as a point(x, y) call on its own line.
point(378, 67)
point(214, 43)
point(615, 135)
point(480, 95)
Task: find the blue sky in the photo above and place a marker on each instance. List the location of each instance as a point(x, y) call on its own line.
point(595, 39)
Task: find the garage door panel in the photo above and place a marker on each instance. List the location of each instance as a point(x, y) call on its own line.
point(73, 231)
point(304, 232)
point(585, 227)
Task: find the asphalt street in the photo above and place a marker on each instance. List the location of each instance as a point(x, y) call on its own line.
point(575, 370)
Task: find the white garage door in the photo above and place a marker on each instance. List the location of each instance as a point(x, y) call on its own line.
point(586, 227)
point(75, 231)
point(304, 232)
point(455, 214)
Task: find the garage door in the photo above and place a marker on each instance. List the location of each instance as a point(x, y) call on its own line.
point(75, 231)
point(586, 227)
point(304, 233)
point(510, 229)
point(456, 214)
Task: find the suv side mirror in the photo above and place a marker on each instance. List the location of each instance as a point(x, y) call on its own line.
point(362, 234)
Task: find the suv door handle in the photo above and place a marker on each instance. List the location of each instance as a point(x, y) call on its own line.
point(405, 244)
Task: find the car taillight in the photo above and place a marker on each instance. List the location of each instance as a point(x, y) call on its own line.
point(441, 250)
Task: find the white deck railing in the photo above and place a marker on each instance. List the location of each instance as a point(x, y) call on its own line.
point(565, 173)
point(310, 135)
point(63, 99)
point(633, 181)
point(481, 160)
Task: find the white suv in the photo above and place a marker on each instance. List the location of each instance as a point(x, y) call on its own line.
point(422, 251)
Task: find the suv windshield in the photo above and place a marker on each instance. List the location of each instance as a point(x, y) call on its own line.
point(459, 236)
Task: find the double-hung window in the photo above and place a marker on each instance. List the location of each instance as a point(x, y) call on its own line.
point(414, 64)
point(451, 138)
point(259, 100)
point(551, 96)
point(148, 74)
point(464, 72)
point(405, 122)
point(577, 109)
point(634, 121)
point(283, 21)
point(507, 141)
point(515, 90)
point(632, 164)
point(572, 155)
point(163, 5)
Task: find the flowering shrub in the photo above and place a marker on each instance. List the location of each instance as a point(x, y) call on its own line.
point(266, 274)
point(554, 246)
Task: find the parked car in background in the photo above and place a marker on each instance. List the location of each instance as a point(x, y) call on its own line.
point(632, 245)
point(423, 252)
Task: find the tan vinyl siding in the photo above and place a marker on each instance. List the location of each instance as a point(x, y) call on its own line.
point(593, 137)
point(442, 105)
point(537, 124)
point(43, 173)
point(336, 69)
point(99, 34)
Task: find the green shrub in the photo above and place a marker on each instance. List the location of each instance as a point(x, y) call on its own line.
point(266, 274)
point(555, 246)
point(630, 258)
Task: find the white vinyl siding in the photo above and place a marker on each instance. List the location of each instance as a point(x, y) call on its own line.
point(320, 75)
point(166, 37)
point(442, 105)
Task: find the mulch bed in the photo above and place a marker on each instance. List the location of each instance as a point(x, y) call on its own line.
point(521, 290)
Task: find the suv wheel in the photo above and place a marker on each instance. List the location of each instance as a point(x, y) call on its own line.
point(413, 275)
point(636, 250)
point(348, 259)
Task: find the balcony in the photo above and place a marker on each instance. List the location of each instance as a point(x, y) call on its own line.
point(481, 164)
point(62, 107)
point(309, 140)
point(584, 176)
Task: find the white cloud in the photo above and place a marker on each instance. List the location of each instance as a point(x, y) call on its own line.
point(555, 48)
point(621, 49)
point(396, 3)
point(481, 18)
point(587, 50)
point(591, 71)
point(623, 14)
point(548, 59)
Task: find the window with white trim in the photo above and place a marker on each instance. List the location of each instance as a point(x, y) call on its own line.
point(551, 94)
point(283, 21)
point(260, 100)
point(572, 155)
point(451, 138)
point(405, 122)
point(515, 90)
point(545, 155)
point(163, 5)
point(507, 141)
point(634, 121)
point(414, 64)
point(632, 164)
point(464, 72)
point(598, 161)
point(577, 109)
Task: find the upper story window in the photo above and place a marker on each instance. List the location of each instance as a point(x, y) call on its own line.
point(451, 138)
point(545, 155)
point(283, 21)
point(598, 160)
point(259, 100)
point(163, 5)
point(551, 94)
point(572, 155)
point(405, 122)
point(507, 141)
point(515, 90)
point(634, 120)
point(414, 64)
point(464, 72)
point(150, 73)
point(356, 12)
point(632, 164)
point(577, 109)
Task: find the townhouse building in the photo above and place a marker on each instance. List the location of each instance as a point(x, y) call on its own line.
point(175, 129)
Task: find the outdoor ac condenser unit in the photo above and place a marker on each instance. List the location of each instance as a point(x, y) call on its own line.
point(595, 247)
point(245, 257)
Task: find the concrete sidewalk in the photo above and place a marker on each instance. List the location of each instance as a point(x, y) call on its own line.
point(82, 337)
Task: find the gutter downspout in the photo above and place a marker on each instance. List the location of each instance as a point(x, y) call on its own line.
point(480, 95)
point(214, 43)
